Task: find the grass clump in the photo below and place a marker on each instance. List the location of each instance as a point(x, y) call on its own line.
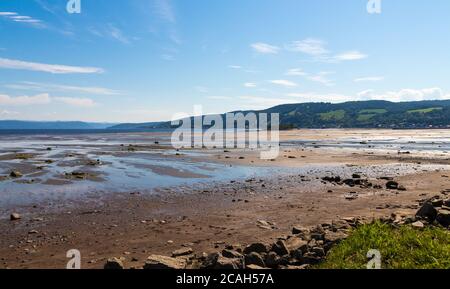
point(401, 248)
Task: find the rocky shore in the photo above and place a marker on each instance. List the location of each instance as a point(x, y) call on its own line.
point(301, 249)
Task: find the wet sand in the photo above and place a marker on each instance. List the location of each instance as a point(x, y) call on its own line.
point(206, 214)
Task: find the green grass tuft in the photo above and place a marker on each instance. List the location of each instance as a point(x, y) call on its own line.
point(400, 248)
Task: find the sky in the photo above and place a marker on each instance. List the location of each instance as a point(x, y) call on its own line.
point(146, 60)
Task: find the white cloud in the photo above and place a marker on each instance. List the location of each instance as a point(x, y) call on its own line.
point(24, 100)
point(13, 16)
point(315, 97)
point(296, 72)
point(284, 82)
point(350, 55)
point(321, 78)
point(74, 101)
point(8, 13)
point(26, 85)
point(258, 102)
point(7, 113)
point(219, 97)
point(265, 48)
point(201, 89)
point(168, 57)
point(234, 66)
point(117, 34)
point(165, 10)
point(317, 49)
point(434, 93)
point(50, 68)
point(310, 46)
point(369, 79)
point(250, 84)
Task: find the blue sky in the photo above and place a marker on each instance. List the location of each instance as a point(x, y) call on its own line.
point(144, 60)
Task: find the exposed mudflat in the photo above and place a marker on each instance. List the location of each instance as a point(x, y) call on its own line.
point(132, 195)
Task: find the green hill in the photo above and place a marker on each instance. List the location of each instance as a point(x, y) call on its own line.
point(357, 114)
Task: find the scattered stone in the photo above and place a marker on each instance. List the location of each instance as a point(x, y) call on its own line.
point(164, 262)
point(16, 174)
point(392, 185)
point(254, 267)
point(15, 217)
point(182, 252)
point(427, 211)
point(114, 264)
point(229, 253)
point(418, 225)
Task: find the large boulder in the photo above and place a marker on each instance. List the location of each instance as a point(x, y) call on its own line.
point(443, 217)
point(114, 264)
point(280, 248)
point(256, 247)
point(295, 243)
point(164, 262)
point(254, 259)
point(427, 211)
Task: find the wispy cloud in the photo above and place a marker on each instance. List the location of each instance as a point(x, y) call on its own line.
point(235, 66)
point(44, 98)
point(117, 34)
point(350, 55)
point(219, 97)
point(434, 93)
point(322, 78)
point(296, 72)
point(8, 113)
point(316, 48)
point(311, 46)
point(250, 84)
point(283, 82)
point(15, 17)
point(43, 67)
point(74, 101)
point(265, 48)
point(165, 10)
point(24, 100)
point(35, 86)
point(369, 79)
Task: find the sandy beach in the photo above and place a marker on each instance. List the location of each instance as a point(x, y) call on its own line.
point(132, 195)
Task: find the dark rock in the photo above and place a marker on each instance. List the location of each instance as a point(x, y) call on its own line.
point(113, 264)
point(256, 247)
point(254, 259)
point(228, 253)
point(427, 211)
point(15, 217)
point(280, 248)
point(164, 262)
point(15, 174)
point(437, 203)
point(392, 185)
point(298, 230)
point(443, 218)
point(356, 176)
point(272, 260)
point(228, 264)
